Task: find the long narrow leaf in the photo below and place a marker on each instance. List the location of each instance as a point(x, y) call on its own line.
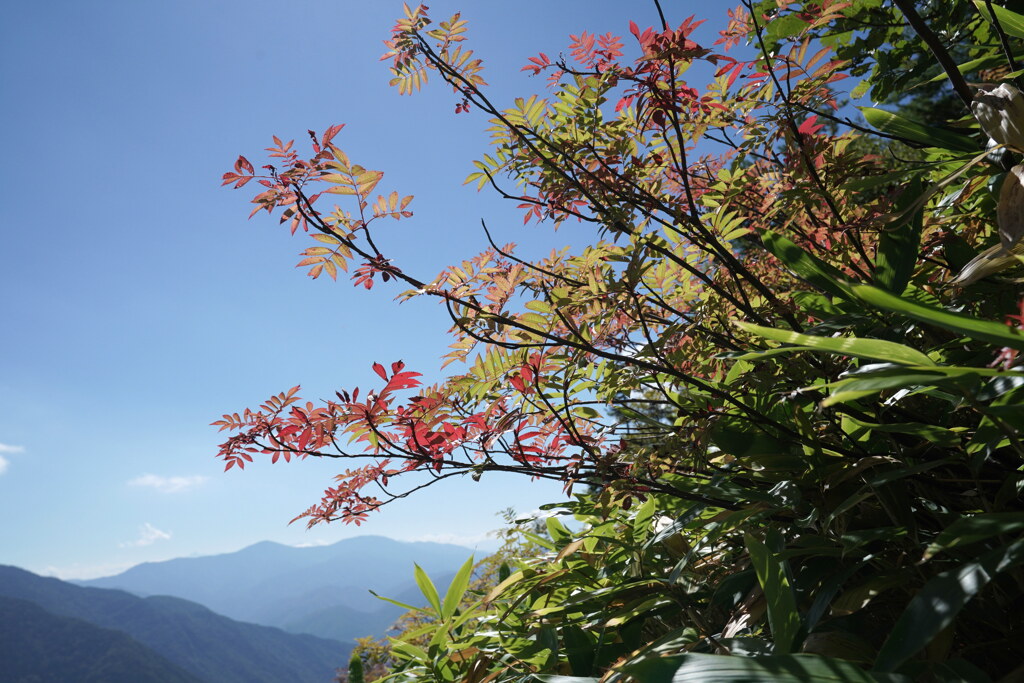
point(702, 668)
point(993, 332)
point(1011, 22)
point(937, 604)
point(871, 349)
point(397, 603)
point(456, 590)
point(899, 244)
point(929, 136)
point(427, 588)
point(967, 530)
point(782, 613)
point(810, 268)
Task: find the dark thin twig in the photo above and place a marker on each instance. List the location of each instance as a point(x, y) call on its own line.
point(1003, 41)
point(938, 50)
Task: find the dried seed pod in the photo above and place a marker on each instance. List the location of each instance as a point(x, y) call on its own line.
point(989, 262)
point(1001, 114)
point(1010, 210)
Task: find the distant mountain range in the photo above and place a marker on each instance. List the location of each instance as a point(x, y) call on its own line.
point(36, 645)
point(319, 590)
point(53, 631)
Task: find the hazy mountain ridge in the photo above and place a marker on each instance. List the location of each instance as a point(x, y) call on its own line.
point(209, 646)
point(37, 646)
point(321, 590)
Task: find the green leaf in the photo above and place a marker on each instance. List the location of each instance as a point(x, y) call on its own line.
point(396, 602)
point(967, 530)
point(785, 26)
point(409, 651)
point(929, 136)
point(871, 349)
point(810, 268)
point(782, 612)
point(936, 605)
point(557, 530)
point(427, 588)
point(898, 244)
point(940, 436)
point(456, 589)
point(703, 668)
point(974, 64)
point(741, 439)
point(1011, 22)
point(644, 515)
point(995, 333)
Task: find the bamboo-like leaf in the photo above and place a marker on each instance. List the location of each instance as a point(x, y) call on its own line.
point(940, 436)
point(859, 386)
point(704, 668)
point(871, 349)
point(991, 59)
point(1011, 22)
point(456, 590)
point(512, 579)
point(929, 136)
point(967, 530)
point(898, 244)
point(396, 602)
point(993, 332)
point(810, 268)
point(782, 612)
point(936, 605)
point(427, 588)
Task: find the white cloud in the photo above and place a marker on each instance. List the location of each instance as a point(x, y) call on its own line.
point(313, 544)
point(148, 535)
point(7, 448)
point(486, 540)
point(168, 484)
point(84, 572)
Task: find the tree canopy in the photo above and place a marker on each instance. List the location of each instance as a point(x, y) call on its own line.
point(783, 378)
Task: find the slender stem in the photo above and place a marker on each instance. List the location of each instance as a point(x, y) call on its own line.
point(938, 50)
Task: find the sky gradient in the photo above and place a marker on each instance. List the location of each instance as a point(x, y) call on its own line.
point(139, 304)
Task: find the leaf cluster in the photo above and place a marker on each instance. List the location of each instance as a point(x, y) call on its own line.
point(795, 433)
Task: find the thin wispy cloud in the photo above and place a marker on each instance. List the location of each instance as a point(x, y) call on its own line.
point(148, 535)
point(8, 448)
point(168, 484)
point(484, 540)
point(84, 572)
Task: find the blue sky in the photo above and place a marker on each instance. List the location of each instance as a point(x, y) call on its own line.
point(139, 304)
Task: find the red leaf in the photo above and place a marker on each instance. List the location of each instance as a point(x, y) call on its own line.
point(379, 369)
point(404, 380)
point(810, 126)
point(330, 133)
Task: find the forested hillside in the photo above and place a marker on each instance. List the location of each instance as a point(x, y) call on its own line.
point(155, 632)
point(39, 647)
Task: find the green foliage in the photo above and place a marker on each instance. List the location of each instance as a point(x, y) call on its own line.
point(800, 433)
point(355, 669)
point(861, 543)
